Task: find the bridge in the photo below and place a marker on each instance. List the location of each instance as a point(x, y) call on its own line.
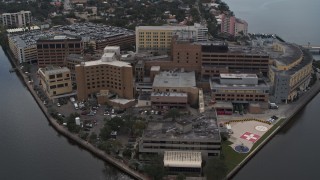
point(314, 49)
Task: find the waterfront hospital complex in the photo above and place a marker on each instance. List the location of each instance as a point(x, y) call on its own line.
point(172, 67)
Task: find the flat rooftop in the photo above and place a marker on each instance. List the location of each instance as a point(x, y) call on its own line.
point(166, 27)
point(155, 68)
point(87, 31)
point(215, 83)
point(237, 76)
point(54, 70)
point(122, 101)
point(100, 62)
point(291, 53)
point(175, 79)
point(203, 129)
point(169, 94)
point(307, 59)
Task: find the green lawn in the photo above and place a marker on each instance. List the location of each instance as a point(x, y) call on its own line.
point(232, 158)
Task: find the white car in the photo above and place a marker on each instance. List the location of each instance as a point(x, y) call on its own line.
point(270, 120)
point(58, 104)
point(72, 99)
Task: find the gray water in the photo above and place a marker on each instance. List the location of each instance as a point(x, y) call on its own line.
point(32, 150)
point(293, 152)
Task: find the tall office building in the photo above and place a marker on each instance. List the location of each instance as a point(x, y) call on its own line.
point(54, 50)
point(232, 25)
point(18, 19)
point(158, 38)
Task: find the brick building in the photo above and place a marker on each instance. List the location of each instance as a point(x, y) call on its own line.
point(54, 50)
point(108, 73)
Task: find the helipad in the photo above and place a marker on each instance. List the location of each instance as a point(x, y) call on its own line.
point(261, 128)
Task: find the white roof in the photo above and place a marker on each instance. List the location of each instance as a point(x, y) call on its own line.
point(122, 101)
point(60, 37)
point(155, 68)
point(190, 159)
point(22, 29)
point(234, 76)
point(112, 63)
point(175, 79)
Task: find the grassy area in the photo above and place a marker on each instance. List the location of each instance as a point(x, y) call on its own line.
point(232, 158)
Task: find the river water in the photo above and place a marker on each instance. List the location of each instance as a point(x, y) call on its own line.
point(30, 148)
point(293, 152)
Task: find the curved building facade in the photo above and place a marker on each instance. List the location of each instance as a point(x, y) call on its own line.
point(290, 71)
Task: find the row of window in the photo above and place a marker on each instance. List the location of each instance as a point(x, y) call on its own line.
point(53, 76)
point(59, 86)
point(182, 142)
point(262, 58)
point(155, 33)
point(103, 86)
point(240, 95)
point(184, 148)
point(46, 46)
point(242, 99)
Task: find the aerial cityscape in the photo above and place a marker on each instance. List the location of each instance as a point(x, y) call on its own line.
point(153, 89)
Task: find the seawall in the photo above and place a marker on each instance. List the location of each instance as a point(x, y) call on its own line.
point(301, 103)
point(63, 131)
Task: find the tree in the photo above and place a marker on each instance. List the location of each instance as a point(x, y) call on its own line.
point(156, 169)
point(181, 177)
point(138, 127)
point(71, 124)
point(93, 137)
point(115, 123)
point(173, 113)
point(127, 153)
point(105, 133)
point(215, 169)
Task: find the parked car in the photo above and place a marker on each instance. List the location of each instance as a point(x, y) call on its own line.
point(72, 99)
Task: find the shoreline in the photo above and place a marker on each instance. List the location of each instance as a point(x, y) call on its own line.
point(70, 136)
point(314, 90)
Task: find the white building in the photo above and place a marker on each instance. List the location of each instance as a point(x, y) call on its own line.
point(18, 19)
point(158, 38)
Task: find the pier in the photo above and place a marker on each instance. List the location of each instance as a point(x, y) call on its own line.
point(313, 49)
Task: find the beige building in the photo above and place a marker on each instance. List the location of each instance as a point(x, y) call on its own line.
point(158, 38)
point(290, 71)
point(169, 99)
point(176, 86)
point(23, 51)
point(55, 80)
point(108, 73)
point(18, 19)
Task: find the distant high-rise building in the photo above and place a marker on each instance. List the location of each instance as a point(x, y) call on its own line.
point(232, 25)
point(240, 26)
point(158, 38)
point(228, 24)
point(18, 19)
point(53, 51)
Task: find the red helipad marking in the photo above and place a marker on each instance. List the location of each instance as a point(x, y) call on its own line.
point(250, 137)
